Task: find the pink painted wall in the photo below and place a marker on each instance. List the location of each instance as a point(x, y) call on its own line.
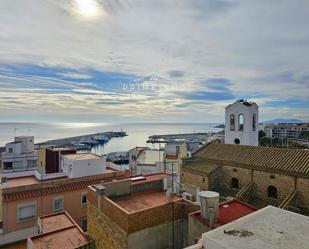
point(72, 204)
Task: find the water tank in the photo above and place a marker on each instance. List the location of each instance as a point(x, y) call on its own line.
point(209, 205)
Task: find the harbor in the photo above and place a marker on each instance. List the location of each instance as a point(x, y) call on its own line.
point(83, 142)
point(201, 137)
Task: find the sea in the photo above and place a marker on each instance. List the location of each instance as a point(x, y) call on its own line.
point(138, 133)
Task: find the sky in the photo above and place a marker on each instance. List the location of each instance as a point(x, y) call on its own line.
point(152, 60)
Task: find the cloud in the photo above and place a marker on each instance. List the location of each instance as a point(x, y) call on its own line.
point(72, 75)
point(220, 50)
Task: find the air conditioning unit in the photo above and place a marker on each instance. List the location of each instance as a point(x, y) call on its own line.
point(187, 196)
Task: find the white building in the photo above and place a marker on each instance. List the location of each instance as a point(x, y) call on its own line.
point(285, 131)
point(19, 155)
point(146, 161)
point(269, 227)
point(83, 164)
point(143, 160)
point(241, 123)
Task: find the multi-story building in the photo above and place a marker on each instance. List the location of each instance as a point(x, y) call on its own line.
point(23, 199)
point(19, 155)
point(285, 131)
point(144, 161)
point(49, 159)
point(137, 213)
point(55, 231)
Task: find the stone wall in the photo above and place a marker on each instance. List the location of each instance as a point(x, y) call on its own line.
point(114, 212)
point(228, 172)
point(283, 183)
point(303, 192)
point(195, 179)
point(104, 231)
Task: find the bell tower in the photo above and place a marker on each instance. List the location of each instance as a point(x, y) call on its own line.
point(241, 123)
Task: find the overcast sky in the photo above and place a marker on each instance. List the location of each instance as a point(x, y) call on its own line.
point(152, 60)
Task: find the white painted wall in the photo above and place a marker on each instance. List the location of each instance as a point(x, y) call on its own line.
point(80, 168)
point(148, 162)
point(248, 136)
point(27, 143)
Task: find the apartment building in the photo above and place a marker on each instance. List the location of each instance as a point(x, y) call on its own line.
point(28, 197)
point(137, 213)
point(49, 159)
point(285, 131)
point(19, 155)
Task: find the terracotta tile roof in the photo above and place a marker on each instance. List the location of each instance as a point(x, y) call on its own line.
point(278, 160)
point(199, 165)
point(59, 186)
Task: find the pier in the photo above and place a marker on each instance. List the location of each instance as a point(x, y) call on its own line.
point(85, 141)
point(186, 137)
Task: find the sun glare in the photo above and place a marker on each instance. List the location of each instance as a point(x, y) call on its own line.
point(87, 8)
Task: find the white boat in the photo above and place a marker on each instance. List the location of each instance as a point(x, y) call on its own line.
point(88, 141)
point(101, 138)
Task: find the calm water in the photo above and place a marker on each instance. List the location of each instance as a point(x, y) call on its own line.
point(137, 133)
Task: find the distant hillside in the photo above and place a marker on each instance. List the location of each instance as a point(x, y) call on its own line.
point(284, 121)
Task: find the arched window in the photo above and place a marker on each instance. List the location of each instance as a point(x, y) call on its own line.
point(272, 192)
point(241, 122)
point(234, 183)
point(232, 122)
point(254, 122)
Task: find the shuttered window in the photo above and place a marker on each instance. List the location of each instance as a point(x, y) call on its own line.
point(26, 211)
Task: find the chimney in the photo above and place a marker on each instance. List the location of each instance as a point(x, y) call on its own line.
point(100, 190)
point(4, 182)
point(209, 206)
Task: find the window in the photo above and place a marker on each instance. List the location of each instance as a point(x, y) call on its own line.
point(58, 204)
point(272, 192)
point(236, 141)
point(254, 122)
point(10, 150)
point(84, 199)
point(26, 211)
point(235, 183)
point(241, 122)
point(232, 122)
point(83, 224)
point(203, 179)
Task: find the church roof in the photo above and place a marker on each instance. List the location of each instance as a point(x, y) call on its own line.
point(277, 160)
point(199, 165)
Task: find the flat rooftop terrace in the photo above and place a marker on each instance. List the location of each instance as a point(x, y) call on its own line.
point(55, 222)
point(138, 201)
point(82, 156)
point(269, 227)
point(22, 181)
point(59, 231)
point(228, 212)
point(30, 180)
point(68, 238)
